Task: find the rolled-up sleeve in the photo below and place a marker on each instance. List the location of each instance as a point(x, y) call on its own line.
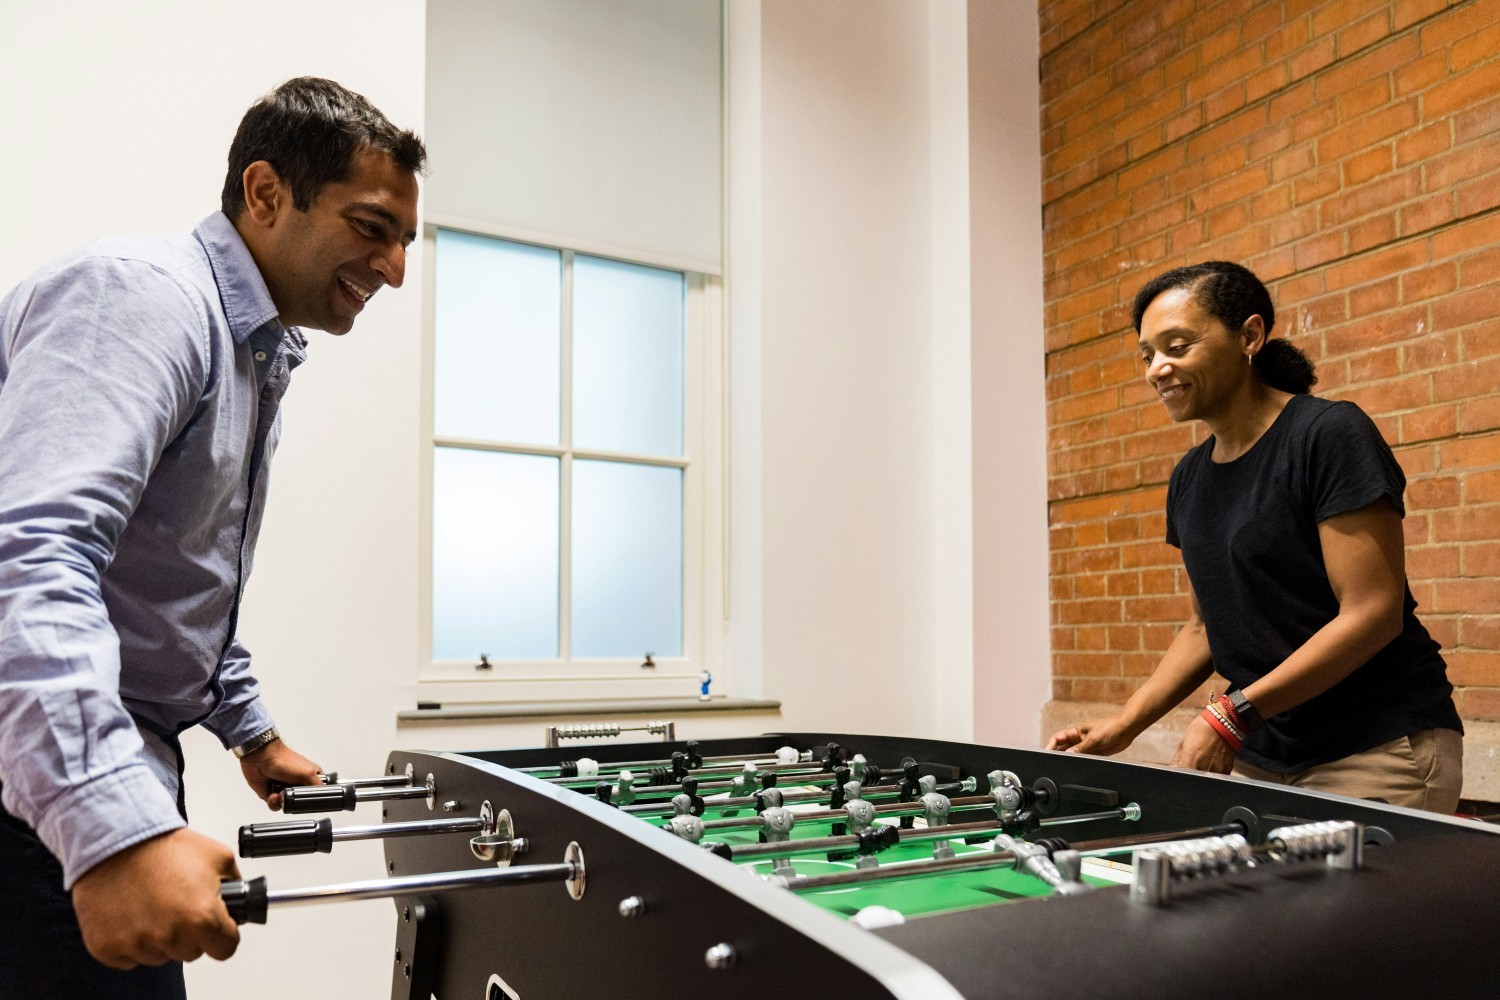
point(103, 362)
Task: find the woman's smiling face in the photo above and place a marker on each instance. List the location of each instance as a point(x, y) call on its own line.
point(1194, 362)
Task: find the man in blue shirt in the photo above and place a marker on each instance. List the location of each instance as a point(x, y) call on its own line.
point(140, 386)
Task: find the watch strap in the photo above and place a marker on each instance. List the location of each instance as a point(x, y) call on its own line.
point(255, 742)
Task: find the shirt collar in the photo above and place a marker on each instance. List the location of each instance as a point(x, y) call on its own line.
point(242, 291)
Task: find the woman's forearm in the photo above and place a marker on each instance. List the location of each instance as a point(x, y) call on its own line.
point(1185, 665)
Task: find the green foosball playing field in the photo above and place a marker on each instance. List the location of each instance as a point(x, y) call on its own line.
point(909, 896)
point(871, 845)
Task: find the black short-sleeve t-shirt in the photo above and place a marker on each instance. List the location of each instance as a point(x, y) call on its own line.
point(1248, 531)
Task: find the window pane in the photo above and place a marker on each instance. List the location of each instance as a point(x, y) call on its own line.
point(494, 555)
point(627, 559)
point(498, 371)
point(627, 357)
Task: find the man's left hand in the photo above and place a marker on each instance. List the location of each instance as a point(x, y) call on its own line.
point(1203, 749)
point(278, 762)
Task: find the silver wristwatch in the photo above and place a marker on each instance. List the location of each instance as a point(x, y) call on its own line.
point(255, 742)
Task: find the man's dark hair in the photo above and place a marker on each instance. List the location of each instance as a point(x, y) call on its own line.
point(1232, 294)
point(309, 129)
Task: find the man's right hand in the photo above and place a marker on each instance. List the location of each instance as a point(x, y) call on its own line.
point(1105, 736)
point(158, 901)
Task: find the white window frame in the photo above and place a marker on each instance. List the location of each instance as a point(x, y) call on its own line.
point(704, 509)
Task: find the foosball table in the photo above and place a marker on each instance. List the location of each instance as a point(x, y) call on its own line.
point(816, 864)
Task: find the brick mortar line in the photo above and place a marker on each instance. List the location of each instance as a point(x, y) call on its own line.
point(1157, 484)
point(1265, 99)
point(1089, 29)
point(1345, 258)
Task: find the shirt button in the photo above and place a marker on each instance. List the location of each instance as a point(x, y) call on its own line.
point(260, 355)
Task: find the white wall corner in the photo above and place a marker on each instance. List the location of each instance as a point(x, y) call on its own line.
point(1012, 641)
point(952, 423)
point(743, 290)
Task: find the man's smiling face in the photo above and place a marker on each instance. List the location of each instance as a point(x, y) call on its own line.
point(322, 265)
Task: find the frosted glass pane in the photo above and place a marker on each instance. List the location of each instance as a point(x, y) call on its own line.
point(627, 357)
point(627, 559)
point(495, 555)
point(498, 371)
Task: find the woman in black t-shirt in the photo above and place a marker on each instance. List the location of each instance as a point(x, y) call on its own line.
point(1289, 522)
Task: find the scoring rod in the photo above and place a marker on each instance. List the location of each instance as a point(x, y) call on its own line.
point(632, 765)
point(704, 773)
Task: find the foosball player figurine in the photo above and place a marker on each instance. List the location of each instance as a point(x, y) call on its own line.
point(765, 800)
point(742, 787)
point(686, 826)
point(688, 802)
point(841, 777)
point(880, 837)
point(777, 823)
point(935, 807)
point(1060, 871)
point(744, 783)
point(768, 789)
point(624, 789)
point(861, 816)
point(908, 789)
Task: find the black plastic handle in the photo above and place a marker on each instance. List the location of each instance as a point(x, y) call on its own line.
point(274, 840)
point(318, 799)
point(245, 899)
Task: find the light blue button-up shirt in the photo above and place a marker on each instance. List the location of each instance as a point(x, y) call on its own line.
point(140, 383)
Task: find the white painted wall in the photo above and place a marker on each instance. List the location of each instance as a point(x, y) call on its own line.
point(903, 537)
point(854, 430)
point(118, 118)
point(1012, 641)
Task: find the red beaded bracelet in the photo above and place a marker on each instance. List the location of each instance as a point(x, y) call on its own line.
point(1233, 717)
point(1222, 729)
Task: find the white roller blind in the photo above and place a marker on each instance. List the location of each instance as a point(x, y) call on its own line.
point(592, 122)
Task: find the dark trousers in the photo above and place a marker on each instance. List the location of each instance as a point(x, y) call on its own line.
point(42, 956)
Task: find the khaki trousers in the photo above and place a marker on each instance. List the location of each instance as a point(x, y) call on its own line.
point(1422, 771)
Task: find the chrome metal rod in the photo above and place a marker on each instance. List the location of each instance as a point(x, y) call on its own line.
point(1130, 812)
point(383, 888)
point(820, 845)
point(708, 773)
point(892, 809)
point(663, 807)
point(953, 831)
point(381, 831)
point(404, 792)
point(962, 862)
point(631, 765)
point(386, 781)
point(1122, 845)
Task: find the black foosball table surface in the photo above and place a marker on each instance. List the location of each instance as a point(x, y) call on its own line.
point(674, 870)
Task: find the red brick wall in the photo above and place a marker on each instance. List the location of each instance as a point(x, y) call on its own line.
point(1347, 151)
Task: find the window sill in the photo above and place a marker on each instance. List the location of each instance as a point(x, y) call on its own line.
point(554, 709)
